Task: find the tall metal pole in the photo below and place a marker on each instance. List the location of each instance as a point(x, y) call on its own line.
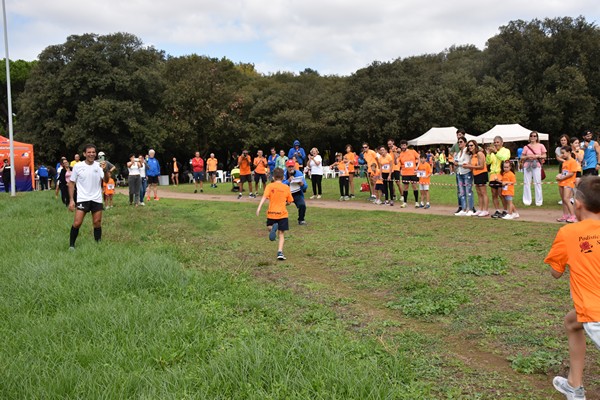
point(10, 113)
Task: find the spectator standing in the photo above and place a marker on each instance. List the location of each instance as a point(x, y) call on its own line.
point(295, 180)
point(212, 165)
point(533, 156)
point(566, 184)
point(42, 173)
point(424, 171)
point(353, 163)
point(496, 155)
point(5, 171)
point(299, 153)
point(370, 157)
point(198, 171)
point(111, 168)
point(281, 160)
point(315, 163)
point(135, 180)
point(344, 182)
point(260, 170)
point(460, 133)
point(143, 179)
point(76, 159)
point(408, 159)
point(509, 180)
point(591, 154)
point(271, 162)
point(153, 172)
point(63, 183)
point(386, 165)
point(175, 171)
point(245, 165)
point(480, 177)
point(464, 176)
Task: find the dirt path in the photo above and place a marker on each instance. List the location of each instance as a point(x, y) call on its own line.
point(531, 214)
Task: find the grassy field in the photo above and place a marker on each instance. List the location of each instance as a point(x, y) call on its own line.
point(184, 299)
point(442, 190)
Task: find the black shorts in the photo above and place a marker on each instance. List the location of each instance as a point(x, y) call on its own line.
point(152, 180)
point(212, 173)
point(87, 206)
point(410, 178)
point(396, 175)
point(590, 171)
point(260, 177)
point(246, 178)
point(578, 174)
point(495, 184)
point(379, 186)
point(481, 179)
point(283, 224)
point(198, 176)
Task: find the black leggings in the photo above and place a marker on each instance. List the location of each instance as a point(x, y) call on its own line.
point(388, 186)
point(344, 186)
point(316, 184)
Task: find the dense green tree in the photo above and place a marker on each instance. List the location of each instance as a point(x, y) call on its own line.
point(19, 73)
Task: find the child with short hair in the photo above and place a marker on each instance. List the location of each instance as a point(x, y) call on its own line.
point(577, 246)
point(424, 171)
point(566, 184)
point(508, 190)
point(279, 196)
point(377, 178)
point(109, 191)
point(344, 178)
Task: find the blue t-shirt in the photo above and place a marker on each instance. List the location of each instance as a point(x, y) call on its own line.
point(590, 158)
point(42, 172)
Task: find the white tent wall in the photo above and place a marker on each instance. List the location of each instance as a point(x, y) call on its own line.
point(445, 135)
point(509, 133)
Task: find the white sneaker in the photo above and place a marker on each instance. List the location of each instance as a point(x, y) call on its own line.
point(477, 213)
point(483, 214)
point(461, 213)
point(318, 196)
point(341, 198)
point(378, 202)
point(515, 215)
point(508, 216)
point(416, 205)
point(560, 202)
point(403, 205)
point(469, 213)
point(562, 385)
point(312, 197)
point(141, 204)
point(346, 198)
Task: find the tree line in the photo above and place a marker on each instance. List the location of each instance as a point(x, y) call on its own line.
point(123, 96)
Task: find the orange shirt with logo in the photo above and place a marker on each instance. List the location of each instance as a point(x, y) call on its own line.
point(508, 183)
point(279, 195)
point(386, 163)
point(578, 246)
point(260, 165)
point(408, 160)
point(244, 164)
point(370, 157)
point(424, 173)
point(569, 166)
point(211, 164)
point(350, 157)
point(109, 187)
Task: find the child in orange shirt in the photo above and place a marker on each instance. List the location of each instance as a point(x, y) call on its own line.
point(109, 191)
point(566, 184)
point(578, 246)
point(376, 177)
point(344, 178)
point(279, 196)
point(424, 174)
point(508, 189)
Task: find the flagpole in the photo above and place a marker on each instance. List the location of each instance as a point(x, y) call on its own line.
point(9, 101)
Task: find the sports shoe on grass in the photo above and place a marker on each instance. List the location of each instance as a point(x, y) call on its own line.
point(483, 214)
point(572, 219)
point(427, 206)
point(461, 213)
point(239, 196)
point(508, 216)
point(195, 191)
point(301, 222)
point(403, 205)
point(497, 214)
point(273, 233)
point(318, 196)
point(156, 198)
point(416, 205)
point(459, 209)
point(562, 385)
point(280, 256)
point(562, 219)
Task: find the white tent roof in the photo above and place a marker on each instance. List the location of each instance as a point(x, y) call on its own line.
point(445, 135)
point(509, 133)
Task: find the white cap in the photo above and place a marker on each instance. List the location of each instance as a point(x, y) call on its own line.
point(101, 154)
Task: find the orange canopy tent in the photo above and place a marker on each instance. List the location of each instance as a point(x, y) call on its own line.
point(24, 170)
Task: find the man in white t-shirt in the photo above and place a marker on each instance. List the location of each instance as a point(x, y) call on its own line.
point(88, 176)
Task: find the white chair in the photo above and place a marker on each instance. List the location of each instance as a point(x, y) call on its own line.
point(328, 172)
point(220, 176)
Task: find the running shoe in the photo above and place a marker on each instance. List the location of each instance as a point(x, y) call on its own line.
point(273, 233)
point(572, 219)
point(427, 206)
point(346, 198)
point(341, 198)
point(312, 197)
point(508, 216)
point(562, 219)
point(239, 196)
point(318, 196)
point(461, 213)
point(403, 205)
point(483, 214)
point(301, 222)
point(562, 385)
point(280, 256)
point(416, 205)
point(497, 214)
point(469, 213)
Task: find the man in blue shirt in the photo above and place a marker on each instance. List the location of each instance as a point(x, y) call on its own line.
point(271, 161)
point(42, 173)
point(152, 173)
point(295, 180)
point(591, 154)
point(297, 152)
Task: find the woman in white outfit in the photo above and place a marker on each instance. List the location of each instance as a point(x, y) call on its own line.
point(533, 156)
point(315, 163)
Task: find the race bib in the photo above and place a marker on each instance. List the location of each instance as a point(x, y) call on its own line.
point(110, 186)
point(565, 172)
point(385, 167)
point(505, 187)
point(409, 164)
point(421, 174)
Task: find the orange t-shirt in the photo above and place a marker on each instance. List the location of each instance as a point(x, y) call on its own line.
point(424, 173)
point(578, 246)
point(278, 195)
point(244, 164)
point(475, 162)
point(351, 158)
point(260, 165)
point(343, 167)
point(109, 187)
point(508, 184)
point(386, 163)
point(569, 166)
point(370, 157)
point(376, 173)
point(408, 162)
point(211, 164)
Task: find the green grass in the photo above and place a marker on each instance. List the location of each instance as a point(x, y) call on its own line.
point(184, 299)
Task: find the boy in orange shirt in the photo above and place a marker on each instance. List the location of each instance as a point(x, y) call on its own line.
point(375, 173)
point(566, 184)
point(578, 246)
point(109, 191)
point(408, 159)
point(508, 190)
point(279, 196)
point(424, 174)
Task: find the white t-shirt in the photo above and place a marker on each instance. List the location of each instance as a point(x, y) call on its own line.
point(314, 168)
point(88, 179)
point(134, 169)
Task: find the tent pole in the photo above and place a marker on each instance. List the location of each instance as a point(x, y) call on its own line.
point(9, 102)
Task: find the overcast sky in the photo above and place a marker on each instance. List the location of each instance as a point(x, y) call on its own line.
point(330, 36)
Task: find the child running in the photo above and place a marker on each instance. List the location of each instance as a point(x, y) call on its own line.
point(577, 246)
point(508, 190)
point(424, 174)
point(566, 184)
point(279, 196)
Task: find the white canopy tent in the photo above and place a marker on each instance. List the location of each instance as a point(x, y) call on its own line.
point(508, 133)
point(446, 135)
